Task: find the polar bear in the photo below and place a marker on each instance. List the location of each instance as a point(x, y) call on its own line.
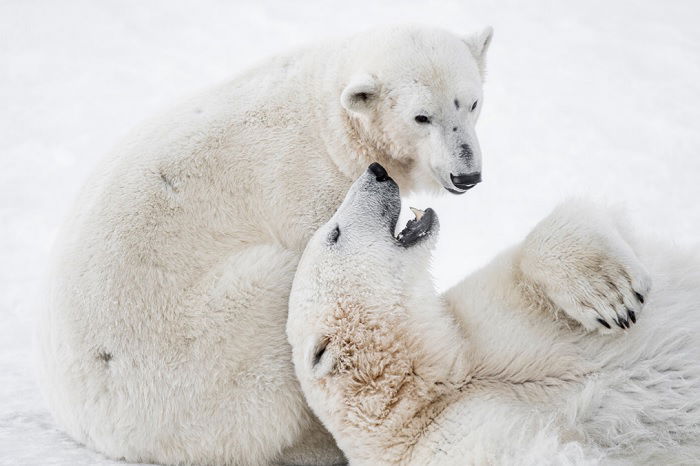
point(164, 340)
point(558, 352)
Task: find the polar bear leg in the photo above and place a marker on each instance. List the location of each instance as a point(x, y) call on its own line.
point(248, 294)
point(206, 380)
point(579, 260)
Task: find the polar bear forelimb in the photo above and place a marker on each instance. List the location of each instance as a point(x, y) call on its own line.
point(577, 259)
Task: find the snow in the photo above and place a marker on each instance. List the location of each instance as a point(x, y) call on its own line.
point(598, 99)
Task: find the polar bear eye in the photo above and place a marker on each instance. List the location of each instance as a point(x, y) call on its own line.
point(422, 119)
point(476, 102)
point(334, 234)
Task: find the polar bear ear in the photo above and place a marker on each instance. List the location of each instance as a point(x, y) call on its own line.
point(479, 44)
point(319, 359)
point(359, 95)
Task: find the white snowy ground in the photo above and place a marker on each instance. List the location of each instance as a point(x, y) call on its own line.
point(594, 98)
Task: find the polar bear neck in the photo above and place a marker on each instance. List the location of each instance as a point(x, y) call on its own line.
point(403, 433)
point(398, 382)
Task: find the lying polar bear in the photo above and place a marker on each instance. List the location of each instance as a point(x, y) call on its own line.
point(557, 352)
point(164, 340)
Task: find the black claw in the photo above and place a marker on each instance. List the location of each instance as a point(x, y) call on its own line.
point(639, 297)
point(633, 316)
point(603, 323)
point(625, 322)
point(619, 323)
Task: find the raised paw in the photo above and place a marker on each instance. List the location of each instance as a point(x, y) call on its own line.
point(607, 296)
point(581, 263)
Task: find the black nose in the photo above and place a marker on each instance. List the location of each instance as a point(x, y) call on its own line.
point(378, 171)
point(467, 181)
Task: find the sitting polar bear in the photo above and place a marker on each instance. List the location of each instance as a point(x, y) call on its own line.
point(165, 337)
point(542, 357)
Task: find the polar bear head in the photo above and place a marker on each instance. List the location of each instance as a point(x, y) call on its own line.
point(414, 96)
point(370, 337)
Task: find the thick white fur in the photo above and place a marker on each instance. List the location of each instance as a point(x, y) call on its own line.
point(507, 367)
point(164, 340)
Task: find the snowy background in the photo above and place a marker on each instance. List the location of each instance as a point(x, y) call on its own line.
point(594, 98)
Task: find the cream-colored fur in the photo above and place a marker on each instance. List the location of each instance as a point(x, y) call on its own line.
point(164, 340)
point(514, 365)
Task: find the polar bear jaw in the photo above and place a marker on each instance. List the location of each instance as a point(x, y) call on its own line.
point(410, 100)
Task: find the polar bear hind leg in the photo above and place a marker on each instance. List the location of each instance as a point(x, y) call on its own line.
point(260, 396)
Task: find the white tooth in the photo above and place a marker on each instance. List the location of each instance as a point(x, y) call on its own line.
point(417, 212)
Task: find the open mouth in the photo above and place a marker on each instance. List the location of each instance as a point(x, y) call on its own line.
point(463, 183)
point(418, 228)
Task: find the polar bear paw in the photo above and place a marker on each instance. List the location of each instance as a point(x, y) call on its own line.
point(607, 295)
point(580, 261)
